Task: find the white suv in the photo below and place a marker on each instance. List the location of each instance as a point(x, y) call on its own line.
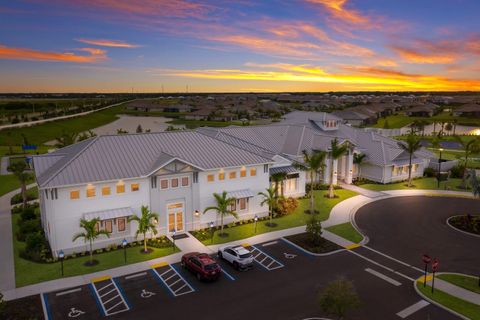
point(238, 256)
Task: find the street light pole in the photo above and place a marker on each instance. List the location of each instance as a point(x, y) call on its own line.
point(255, 219)
point(124, 245)
point(211, 230)
point(439, 168)
point(61, 255)
point(173, 238)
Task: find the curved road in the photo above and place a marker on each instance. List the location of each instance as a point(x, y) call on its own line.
point(407, 227)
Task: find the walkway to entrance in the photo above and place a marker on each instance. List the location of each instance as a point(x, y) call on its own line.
point(190, 244)
point(362, 191)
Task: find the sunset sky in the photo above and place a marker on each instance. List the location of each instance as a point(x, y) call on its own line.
point(239, 45)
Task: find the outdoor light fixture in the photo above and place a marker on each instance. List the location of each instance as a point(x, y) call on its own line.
point(61, 256)
point(124, 245)
point(174, 232)
point(196, 213)
point(211, 230)
point(255, 219)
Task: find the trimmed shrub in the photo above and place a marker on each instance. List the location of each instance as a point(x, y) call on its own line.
point(429, 172)
point(287, 206)
point(28, 214)
point(457, 171)
point(27, 227)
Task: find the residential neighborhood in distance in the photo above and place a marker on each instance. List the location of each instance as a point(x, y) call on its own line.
point(290, 160)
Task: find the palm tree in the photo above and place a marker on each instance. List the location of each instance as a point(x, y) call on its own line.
point(469, 147)
point(145, 224)
point(18, 169)
point(411, 145)
point(90, 234)
point(475, 183)
point(278, 178)
point(269, 198)
point(223, 207)
point(66, 139)
point(313, 163)
point(358, 159)
point(336, 151)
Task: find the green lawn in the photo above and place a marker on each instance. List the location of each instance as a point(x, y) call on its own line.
point(402, 120)
point(466, 282)
point(17, 150)
point(28, 272)
point(192, 124)
point(465, 308)
point(347, 231)
point(8, 183)
point(295, 219)
point(422, 183)
point(394, 122)
point(45, 132)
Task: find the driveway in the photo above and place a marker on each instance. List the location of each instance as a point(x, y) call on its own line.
point(407, 227)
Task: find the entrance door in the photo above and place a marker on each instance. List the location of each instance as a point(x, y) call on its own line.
point(175, 217)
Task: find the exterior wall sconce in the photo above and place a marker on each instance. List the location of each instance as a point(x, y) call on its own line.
point(196, 213)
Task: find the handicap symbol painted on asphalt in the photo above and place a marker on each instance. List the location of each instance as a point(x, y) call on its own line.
point(146, 294)
point(289, 255)
point(75, 313)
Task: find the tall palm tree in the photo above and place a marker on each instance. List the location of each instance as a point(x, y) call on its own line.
point(18, 169)
point(469, 147)
point(278, 179)
point(411, 145)
point(223, 207)
point(90, 234)
point(270, 199)
point(313, 163)
point(358, 159)
point(145, 224)
point(336, 151)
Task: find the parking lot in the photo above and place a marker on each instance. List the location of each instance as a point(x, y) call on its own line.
point(283, 284)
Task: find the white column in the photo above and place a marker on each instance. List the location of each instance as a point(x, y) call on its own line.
point(349, 168)
point(335, 171)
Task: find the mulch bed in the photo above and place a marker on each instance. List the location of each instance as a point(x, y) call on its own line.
point(467, 223)
point(24, 308)
point(303, 241)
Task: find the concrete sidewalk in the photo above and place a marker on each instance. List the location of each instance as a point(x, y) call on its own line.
point(4, 163)
point(453, 290)
point(364, 192)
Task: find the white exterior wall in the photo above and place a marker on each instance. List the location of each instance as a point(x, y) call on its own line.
point(373, 172)
point(63, 214)
point(256, 184)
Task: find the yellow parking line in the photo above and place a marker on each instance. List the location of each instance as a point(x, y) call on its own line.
point(101, 279)
point(352, 246)
point(245, 245)
point(159, 265)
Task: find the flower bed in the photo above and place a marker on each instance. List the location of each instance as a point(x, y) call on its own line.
point(467, 223)
point(303, 240)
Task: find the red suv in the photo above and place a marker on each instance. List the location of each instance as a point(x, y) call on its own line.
point(202, 265)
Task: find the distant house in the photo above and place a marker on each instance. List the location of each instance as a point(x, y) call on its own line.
point(423, 110)
point(468, 110)
point(356, 119)
point(177, 108)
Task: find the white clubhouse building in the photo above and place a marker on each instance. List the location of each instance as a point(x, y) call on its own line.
point(176, 173)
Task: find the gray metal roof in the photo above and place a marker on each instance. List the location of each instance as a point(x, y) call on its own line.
point(109, 214)
point(239, 194)
point(286, 169)
point(300, 132)
point(113, 157)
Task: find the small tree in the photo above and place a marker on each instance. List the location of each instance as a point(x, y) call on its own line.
point(339, 297)
point(314, 230)
point(139, 129)
point(469, 147)
point(145, 224)
point(411, 145)
point(66, 139)
point(358, 159)
point(223, 208)
point(278, 179)
point(475, 183)
point(19, 170)
point(90, 233)
point(336, 151)
point(270, 199)
point(313, 163)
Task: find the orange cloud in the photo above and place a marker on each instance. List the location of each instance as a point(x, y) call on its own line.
point(94, 55)
point(362, 78)
point(108, 43)
point(415, 56)
point(337, 9)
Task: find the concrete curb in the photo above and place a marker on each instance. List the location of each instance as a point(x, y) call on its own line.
point(311, 253)
point(458, 230)
point(438, 304)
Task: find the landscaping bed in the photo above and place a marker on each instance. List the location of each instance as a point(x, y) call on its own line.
point(419, 183)
point(467, 223)
point(297, 218)
point(32, 194)
point(469, 310)
point(303, 240)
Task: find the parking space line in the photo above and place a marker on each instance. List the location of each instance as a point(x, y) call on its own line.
point(118, 294)
point(277, 264)
point(169, 286)
point(412, 309)
point(106, 287)
point(47, 313)
point(383, 277)
point(97, 299)
point(114, 307)
point(393, 259)
point(269, 243)
point(229, 276)
point(68, 292)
